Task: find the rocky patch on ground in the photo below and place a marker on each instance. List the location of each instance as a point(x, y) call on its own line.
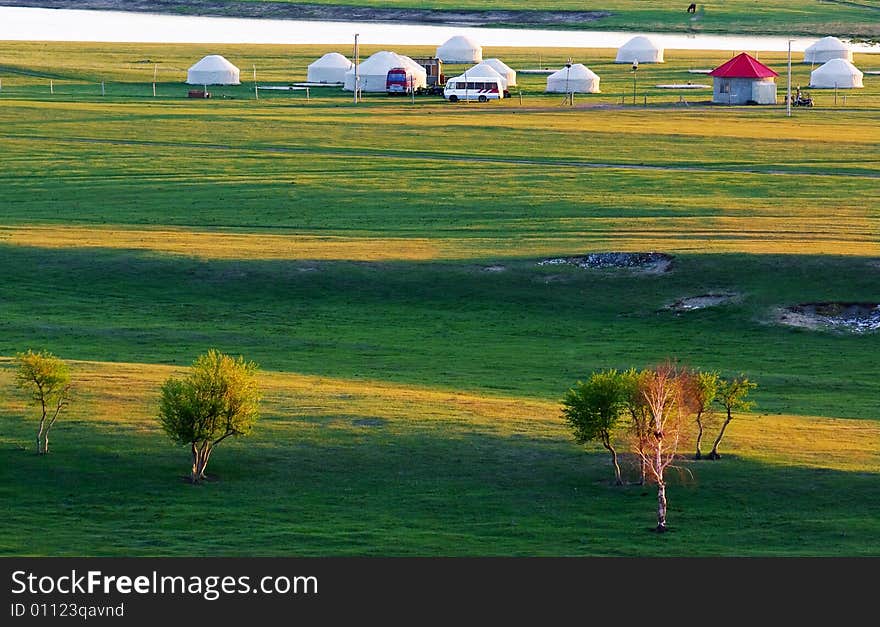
point(846, 317)
point(713, 299)
point(655, 263)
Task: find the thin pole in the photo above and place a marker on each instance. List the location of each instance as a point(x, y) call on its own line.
point(788, 98)
point(102, 88)
point(155, 71)
point(357, 78)
point(51, 86)
point(256, 91)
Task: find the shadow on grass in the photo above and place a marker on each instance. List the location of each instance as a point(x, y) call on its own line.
point(293, 489)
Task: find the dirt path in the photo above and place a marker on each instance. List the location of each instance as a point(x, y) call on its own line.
point(305, 11)
point(431, 156)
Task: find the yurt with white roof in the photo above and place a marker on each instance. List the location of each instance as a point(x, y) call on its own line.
point(330, 68)
point(640, 49)
point(577, 79)
point(826, 49)
point(485, 70)
point(373, 72)
point(460, 49)
point(502, 68)
point(836, 74)
point(213, 70)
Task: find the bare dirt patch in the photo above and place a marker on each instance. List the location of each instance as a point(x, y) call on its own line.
point(833, 316)
point(703, 301)
point(332, 13)
point(649, 263)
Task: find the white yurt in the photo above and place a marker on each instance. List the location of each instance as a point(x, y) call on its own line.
point(578, 79)
point(826, 49)
point(484, 70)
point(213, 70)
point(640, 49)
point(836, 73)
point(502, 68)
point(330, 68)
point(373, 71)
point(460, 49)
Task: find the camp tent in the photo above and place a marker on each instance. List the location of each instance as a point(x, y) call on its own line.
point(213, 70)
point(826, 49)
point(578, 79)
point(744, 80)
point(640, 49)
point(485, 70)
point(373, 72)
point(836, 74)
point(502, 68)
point(460, 49)
point(330, 68)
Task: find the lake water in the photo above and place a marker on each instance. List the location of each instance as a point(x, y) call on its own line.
point(24, 24)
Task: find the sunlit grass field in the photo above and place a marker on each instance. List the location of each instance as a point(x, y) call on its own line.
point(380, 262)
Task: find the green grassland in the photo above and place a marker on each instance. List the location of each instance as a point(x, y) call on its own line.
point(809, 17)
point(380, 262)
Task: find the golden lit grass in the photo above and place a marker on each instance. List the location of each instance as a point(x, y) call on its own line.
point(222, 245)
point(748, 234)
point(124, 396)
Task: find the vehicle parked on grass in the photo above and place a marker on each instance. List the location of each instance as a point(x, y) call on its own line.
point(481, 89)
point(399, 81)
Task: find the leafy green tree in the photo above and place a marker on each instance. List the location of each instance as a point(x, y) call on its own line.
point(732, 396)
point(593, 410)
point(701, 394)
point(47, 379)
point(218, 398)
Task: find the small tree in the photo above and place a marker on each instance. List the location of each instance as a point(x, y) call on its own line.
point(701, 394)
point(593, 410)
point(663, 389)
point(47, 379)
point(732, 397)
point(639, 417)
point(217, 399)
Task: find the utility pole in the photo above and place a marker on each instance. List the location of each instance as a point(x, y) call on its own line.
point(357, 62)
point(788, 97)
point(635, 67)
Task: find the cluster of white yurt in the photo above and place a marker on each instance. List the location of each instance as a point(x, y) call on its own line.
point(213, 70)
point(576, 79)
point(640, 49)
point(330, 68)
point(836, 74)
point(506, 72)
point(373, 72)
point(826, 49)
point(484, 70)
point(460, 49)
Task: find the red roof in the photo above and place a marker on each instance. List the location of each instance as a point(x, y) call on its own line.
point(743, 66)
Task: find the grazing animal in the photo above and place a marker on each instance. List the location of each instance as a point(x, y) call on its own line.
point(692, 8)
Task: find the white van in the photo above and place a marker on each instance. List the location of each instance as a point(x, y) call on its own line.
point(474, 88)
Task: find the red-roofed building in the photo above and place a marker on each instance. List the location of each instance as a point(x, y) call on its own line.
point(744, 80)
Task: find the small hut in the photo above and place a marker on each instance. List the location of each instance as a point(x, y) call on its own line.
point(826, 49)
point(744, 80)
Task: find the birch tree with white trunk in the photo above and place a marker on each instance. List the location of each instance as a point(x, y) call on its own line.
point(46, 378)
point(663, 390)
